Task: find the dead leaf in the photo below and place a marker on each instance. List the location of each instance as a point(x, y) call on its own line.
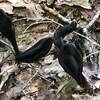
point(33, 10)
point(14, 92)
point(50, 2)
point(88, 15)
point(82, 3)
point(83, 97)
point(34, 86)
point(24, 75)
point(14, 2)
point(7, 7)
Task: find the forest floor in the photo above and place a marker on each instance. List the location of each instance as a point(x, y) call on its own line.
point(46, 80)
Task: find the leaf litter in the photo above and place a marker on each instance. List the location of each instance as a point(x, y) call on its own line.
point(45, 80)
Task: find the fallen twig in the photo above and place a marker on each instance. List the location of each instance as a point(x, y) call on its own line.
point(85, 30)
point(3, 61)
point(4, 43)
point(30, 80)
point(41, 22)
point(93, 20)
point(90, 40)
point(90, 55)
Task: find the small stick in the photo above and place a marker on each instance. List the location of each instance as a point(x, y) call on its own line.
point(49, 21)
point(3, 61)
point(93, 20)
point(30, 80)
point(91, 54)
point(7, 45)
point(88, 39)
point(63, 18)
point(85, 30)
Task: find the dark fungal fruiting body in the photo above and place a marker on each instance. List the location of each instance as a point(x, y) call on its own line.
point(7, 30)
point(37, 51)
point(71, 60)
point(63, 31)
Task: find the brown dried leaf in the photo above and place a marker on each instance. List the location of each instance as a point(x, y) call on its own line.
point(34, 87)
point(88, 15)
point(33, 10)
point(23, 76)
point(14, 92)
point(81, 3)
point(7, 7)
